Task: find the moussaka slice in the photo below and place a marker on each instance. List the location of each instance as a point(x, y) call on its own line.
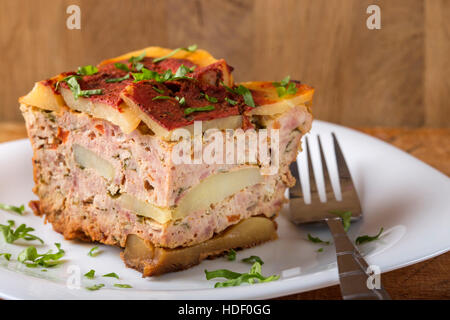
point(161, 153)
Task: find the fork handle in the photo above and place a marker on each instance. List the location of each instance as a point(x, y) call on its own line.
point(353, 270)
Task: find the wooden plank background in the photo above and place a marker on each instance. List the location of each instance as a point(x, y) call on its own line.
point(396, 76)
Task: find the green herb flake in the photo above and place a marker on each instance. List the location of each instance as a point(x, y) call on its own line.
point(253, 259)
point(285, 87)
point(87, 70)
point(122, 285)
point(7, 256)
point(367, 238)
point(22, 232)
point(320, 250)
point(122, 66)
point(210, 99)
point(345, 216)
point(95, 287)
point(118, 79)
point(111, 275)
point(31, 258)
point(191, 48)
point(245, 92)
point(90, 274)
point(20, 210)
point(317, 240)
point(192, 110)
point(236, 279)
point(72, 82)
point(160, 91)
point(231, 255)
point(181, 101)
point(94, 252)
point(161, 98)
point(230, 101)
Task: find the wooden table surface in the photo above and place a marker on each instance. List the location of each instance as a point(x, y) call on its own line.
point(425, 280)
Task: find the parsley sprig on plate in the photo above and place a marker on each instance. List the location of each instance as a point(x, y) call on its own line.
point(20, 210)
point(367, 238)
point(21, 232)
point(31, 258)
point(236, 278)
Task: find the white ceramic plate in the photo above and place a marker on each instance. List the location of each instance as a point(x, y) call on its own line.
point(408, 198)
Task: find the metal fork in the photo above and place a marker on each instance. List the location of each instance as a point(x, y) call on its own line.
point(353, 270)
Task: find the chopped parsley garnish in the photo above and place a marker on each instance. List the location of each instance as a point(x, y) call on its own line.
point(167, 75)
point(320, 250)
point(367, 238)
point(20, 210)
point(94, 252)
point(22, 232)
point(236, 279)
point(317, 239)
point(345, 216)
point(285, 87)
point(191, 48)
point(87, 70)
point(31, 258)
point(231, 255)
point(182, 71)
point(6, 255)
point(245, 92)
point(122, 66)
point(122, 285)
point(230, 101)
point(72, 82)
point(90, 274)
point(191, 110)
point(160, 91)
point(253, 259)
point(181, 100)
point(210, 99)
point(95, 287)
point(135, 61)
point(161, 98)
point(111, 275)
point(118, 79)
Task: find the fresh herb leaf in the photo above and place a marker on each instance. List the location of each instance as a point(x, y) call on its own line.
point(181, 100)
point(160, 91)
point(111, 275)
point(6, 255)
point(95, 287)
point(236, 279)
point(94, 252)
point(146, 74)
point(231, 255)
point(285, 87)
point(122, 285)
point(122, 66)
point(367, 238)
point(228, 88)
point(230, 101)
point(20, 210)
point(72, 82)
point(253, 259)
point(320, 250)
point(161, 98)
point(210, 99)
point(245, 92)
point(191, 110)
point(31, 258)
point(90, 274)
point(345, 216)
point(317, 239)
point(118, 79)
point(182, 71)
point(87, 70)
point(138, 58)
point(22, 232)
point(191, 48)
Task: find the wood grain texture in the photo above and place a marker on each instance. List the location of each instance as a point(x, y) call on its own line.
point(429, 279)
point(396, 76)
